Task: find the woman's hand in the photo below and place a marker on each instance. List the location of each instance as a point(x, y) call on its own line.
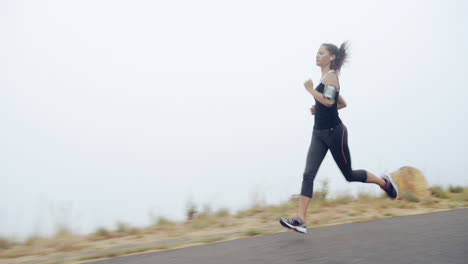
point(312, 110)
point(309, 85)
point(318, 95)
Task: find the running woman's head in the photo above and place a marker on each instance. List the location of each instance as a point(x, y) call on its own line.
point(329, 54)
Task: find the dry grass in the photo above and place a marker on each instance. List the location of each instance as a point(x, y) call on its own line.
point(211, 240)
point(410, 197)
point(209, 227)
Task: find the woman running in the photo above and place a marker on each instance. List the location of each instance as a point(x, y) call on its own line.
point(330, 133)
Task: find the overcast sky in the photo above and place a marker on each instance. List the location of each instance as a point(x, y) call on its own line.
point(126, 110)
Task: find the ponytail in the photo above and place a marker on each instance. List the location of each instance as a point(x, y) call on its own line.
point(341, 55)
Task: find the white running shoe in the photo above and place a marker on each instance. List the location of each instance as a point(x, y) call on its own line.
point(295, 224)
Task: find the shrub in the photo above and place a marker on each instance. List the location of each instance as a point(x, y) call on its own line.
point(5, 243)
point(32, 240)
point(123, 228)
point(439, 192)
point(456, 189)
point(222, 212)
point(102, 232)
point(191, 211)
point(323, 192)
point(162, 221)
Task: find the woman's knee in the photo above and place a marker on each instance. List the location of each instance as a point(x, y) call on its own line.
point(309, 173)
point(307, 188)
point(355, 176)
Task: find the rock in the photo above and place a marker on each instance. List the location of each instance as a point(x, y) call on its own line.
point(409, 179)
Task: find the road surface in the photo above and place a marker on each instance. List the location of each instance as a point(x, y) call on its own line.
point(439, 238)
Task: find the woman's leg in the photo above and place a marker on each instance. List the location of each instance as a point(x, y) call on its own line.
point(371, 178)
point(303, 205)
point(340, 151)
point(317, 151)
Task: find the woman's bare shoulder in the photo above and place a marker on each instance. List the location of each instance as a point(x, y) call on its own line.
point(332, 79)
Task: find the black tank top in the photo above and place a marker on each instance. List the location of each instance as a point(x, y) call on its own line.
point(326, 117)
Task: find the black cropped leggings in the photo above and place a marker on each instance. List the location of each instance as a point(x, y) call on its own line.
point(335, 139)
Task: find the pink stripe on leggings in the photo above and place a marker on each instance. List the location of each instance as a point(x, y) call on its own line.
point(342, 145)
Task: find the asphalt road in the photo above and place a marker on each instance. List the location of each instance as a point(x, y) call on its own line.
point(439, 238)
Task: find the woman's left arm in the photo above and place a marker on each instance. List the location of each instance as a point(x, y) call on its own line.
point(341, 102)
point(318, 95)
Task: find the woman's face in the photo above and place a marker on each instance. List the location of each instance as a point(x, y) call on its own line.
point(323, 57)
